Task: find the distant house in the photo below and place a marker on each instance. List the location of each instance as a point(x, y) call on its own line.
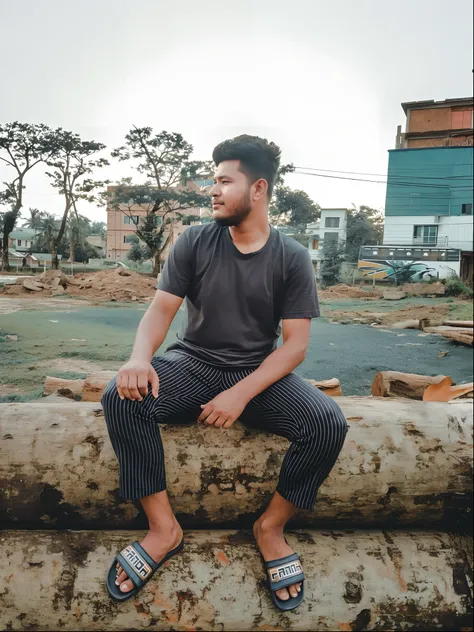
point(22, 239)
point(33, 259)
point(98, 242)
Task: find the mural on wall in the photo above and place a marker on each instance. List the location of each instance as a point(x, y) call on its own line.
point(407, 271)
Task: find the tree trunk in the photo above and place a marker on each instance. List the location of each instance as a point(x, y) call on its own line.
point(459, 323)
point(8, 226)
point(156, 264)
point(404, 462)
point(457, 336)
point(72, 247)
point(395, 384)
point(374, 580)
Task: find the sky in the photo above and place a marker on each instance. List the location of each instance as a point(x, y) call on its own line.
point(324, 79)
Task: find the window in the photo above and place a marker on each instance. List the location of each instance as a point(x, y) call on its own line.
point(331, 222)
point(130, 219)
point(331, 238)
point(19, 242)
point(425, 234)
point(466, 209)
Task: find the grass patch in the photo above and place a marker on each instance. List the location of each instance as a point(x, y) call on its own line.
point(461, 311)
point(69, 375)
point(21, 397)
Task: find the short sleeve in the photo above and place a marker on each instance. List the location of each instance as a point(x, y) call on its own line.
point(300, 293)
point(177, 272)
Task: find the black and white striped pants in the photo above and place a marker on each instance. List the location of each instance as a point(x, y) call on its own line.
point(291, 408)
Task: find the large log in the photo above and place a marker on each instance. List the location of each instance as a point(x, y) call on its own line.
point(403, 462)
point(354, 581)
point(397, 384)
point(457, 336)
point(459, 323)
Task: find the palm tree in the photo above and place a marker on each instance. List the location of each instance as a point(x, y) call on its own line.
point(78, 227)
point(48, 230)
point(35, 219)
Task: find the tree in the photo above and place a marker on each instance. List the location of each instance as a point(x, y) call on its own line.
point(78, 227)
point(164, 160)
point(48, 232)
point(364, 226)
point(34, 220)
point(332, 256)
point(98, 228)
point(72, 164)
point(294, 209)
point(22, 147)
point(137, 252)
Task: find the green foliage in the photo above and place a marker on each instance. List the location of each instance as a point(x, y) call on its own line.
point(72, 165)
point(137, 252)
point(364, 226)
point(35, 218)
point(455, 287)
point(165, 161)
point(332, 256)
point(22, 147)
point(294, 209)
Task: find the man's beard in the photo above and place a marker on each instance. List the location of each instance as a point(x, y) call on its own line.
point(241, 212)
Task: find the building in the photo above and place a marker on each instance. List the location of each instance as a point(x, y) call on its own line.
point(98, 242)
point(428, 210)
point(122, 224)
point(331, 227)
point(33, 259)
point(437, 124)
point(22, 239)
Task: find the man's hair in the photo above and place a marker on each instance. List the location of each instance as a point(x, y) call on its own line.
point(258, 158)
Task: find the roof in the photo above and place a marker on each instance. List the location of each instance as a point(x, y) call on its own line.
point(23, 233)
point(421, 105)
point(43, 256)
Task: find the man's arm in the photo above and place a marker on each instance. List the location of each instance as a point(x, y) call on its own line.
point(133, 377)
point(224, 409)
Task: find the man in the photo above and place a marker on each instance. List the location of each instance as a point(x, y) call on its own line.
point(240, 278)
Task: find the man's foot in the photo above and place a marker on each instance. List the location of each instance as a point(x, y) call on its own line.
point(272, 545)
point(157, 543)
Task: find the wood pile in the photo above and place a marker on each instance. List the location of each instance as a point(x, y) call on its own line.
point(378, 549)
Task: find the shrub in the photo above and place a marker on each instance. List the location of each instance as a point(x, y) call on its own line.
point(455, 287)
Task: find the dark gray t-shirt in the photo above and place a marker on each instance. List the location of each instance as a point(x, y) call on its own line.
point(235, 301)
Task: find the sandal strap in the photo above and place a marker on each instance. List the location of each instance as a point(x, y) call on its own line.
point(149, 560)
point(284, 571)
point(137, 563)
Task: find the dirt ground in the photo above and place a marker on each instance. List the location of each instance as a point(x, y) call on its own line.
point(106, 285)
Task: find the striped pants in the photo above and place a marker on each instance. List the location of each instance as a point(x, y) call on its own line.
point(291, 408)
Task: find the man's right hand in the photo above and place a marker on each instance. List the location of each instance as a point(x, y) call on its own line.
point(133, 378)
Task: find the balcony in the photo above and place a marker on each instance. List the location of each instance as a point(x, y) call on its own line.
point(425, 241)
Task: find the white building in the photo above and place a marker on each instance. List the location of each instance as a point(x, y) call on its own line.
point(331, 227)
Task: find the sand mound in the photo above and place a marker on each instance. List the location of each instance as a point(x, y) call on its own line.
point(118, 284)
point(348, 291)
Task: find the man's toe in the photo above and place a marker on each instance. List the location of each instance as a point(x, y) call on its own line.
point(126, 586)
point(121, 577)
point(293, 591)
point(283, 594)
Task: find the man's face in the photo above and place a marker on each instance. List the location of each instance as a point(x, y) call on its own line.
point(231, 202)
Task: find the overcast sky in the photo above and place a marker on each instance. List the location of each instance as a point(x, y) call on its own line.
point(322, 78)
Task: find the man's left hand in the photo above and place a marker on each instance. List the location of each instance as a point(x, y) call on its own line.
point(224, 409)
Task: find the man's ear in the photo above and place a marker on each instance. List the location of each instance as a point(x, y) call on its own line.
point(260, 189)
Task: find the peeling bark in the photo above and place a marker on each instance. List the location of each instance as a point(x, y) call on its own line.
point(354, 581)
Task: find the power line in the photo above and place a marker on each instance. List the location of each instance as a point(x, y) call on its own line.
point(396, 183)
point(384, 175)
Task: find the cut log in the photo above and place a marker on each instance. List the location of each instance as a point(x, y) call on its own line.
point(94, 385)
point(396, 384)
point(459, 323)
point(458, 337)
point(53, 384)
point(418, 323)
point(354, 581)
point(330, 387)
point(445, 392)
point(443, 328)
point(403, 462)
